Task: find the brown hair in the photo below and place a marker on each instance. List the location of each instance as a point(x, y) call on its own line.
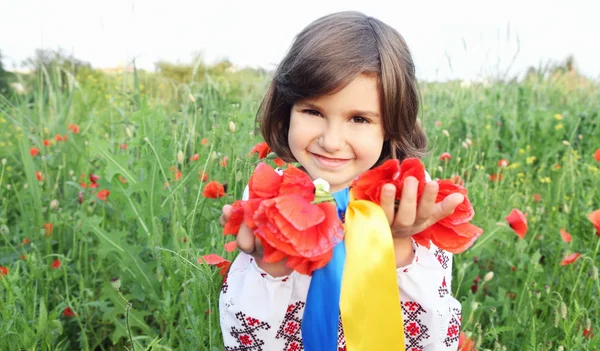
point(329, 54)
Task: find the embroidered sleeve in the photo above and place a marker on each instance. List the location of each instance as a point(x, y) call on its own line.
point(432, 316)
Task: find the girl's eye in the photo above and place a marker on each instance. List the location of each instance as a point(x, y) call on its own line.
point(359, 119)
point(312, 112)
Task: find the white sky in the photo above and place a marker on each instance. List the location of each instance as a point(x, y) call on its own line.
point(478, 38)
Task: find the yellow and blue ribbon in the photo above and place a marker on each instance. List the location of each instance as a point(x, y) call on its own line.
point(360, 282)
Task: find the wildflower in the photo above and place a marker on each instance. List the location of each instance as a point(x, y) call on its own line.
point(214, 190)
point(556, 167)
point(445, 156)
point(559, 126)
point(570, 259)
point(123, 146)
point(502, 163)
point(103, 195)
point(558, 116)
point(68, 312)
point(58, 137)
point(116, 283)
point(204, 141)
point(495, 177)
point(594, 217)
point(223, 161)
point(231, 126)
point(194, 157)
point(597, 155)
point(3, 271)
point(458, 180)
point(54, 204)
point(517, 221)
point(537, 197)
point(217, 261)
point(445, 132)
point(122, 179)
point(94, 178)
point(202, 176)
point(565, 235)
point(530, 160)
point(56, 264)
point(488, 276)
point(438, 124)
point(262, 149)
point(230, 246)
point(80, 197)
point(566, 143)
point(73, 128)
point(34, 151)
point(587, 333)
point(39, 176)
point(48, 228)
point(465, 343)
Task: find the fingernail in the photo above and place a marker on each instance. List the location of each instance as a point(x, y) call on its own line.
point(389, 190)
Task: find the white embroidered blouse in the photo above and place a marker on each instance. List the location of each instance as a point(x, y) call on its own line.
point(261, 312)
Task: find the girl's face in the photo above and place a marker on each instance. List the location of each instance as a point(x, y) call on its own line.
point(337, 137)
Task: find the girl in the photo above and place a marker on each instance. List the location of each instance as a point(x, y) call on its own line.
point(343, 100)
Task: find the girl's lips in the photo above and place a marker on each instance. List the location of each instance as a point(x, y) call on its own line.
point(330, 162)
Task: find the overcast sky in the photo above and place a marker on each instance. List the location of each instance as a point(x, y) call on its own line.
point(449, 39)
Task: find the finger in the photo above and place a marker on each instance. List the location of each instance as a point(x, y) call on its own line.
point(387, 198)
point(427, 204)
point(245, 239)
point(225, 214)
point(407, 210)
point(447, 206)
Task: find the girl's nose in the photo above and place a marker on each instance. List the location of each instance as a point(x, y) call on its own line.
point(332, 138)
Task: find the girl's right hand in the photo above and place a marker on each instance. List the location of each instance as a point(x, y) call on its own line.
point(248, 243)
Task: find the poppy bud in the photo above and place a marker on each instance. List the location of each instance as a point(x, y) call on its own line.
point(563, 310)
point(4, 162)
point(54, 204)
point(231, 126)
point(180, 157)
point(191, 97)
point(445, 132)
point(4, 230)
point(489, 275)
point(116, 283)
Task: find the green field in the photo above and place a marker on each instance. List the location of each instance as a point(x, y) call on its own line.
point(64, 237)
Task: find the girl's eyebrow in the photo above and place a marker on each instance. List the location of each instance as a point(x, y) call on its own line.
point(351, 112)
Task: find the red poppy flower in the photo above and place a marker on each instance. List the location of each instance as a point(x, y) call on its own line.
point(58, 137)
point(262, 149)
point(445, 156)
point(103, 195)
point(223, 161)
point(453, 233)
point(48, 228)
point(3, 270)
point(565, 235)
point(73, 128)
point(25, 241)
point(503, 163)
point(465, 344)
point(495, 177)
point(68, 312)
point(80, 197)
point(458, 180)
point(597, 155)
point(217, 261)
point(279, 162)
point(230, 246)
point(594, 217)
point(123, 146)
point(537, 197)
point(213, 190)
point(204, 141)
point(94, 178)
point(56, 264)
point(39, 176)
point(203, 176)
point(587, 333)
point(517, 221)
point(292, 226)
point(34, 151)
point(194, 157)
point(570, 259)
point(122, 179)
point(368, 186)
point(46, 142)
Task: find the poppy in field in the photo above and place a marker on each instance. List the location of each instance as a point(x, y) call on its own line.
point(3, 271)
point(465, 344)
point(570, 259)
point(122, 179)
point(94, 178)
point(230, 246)
point(56, 264)
point(34, 151)
point(194, 157)
point(445, 156)
point(517, 221)
point(597, 155)
point(58, 137)
point(39, 176)
point(565, 235)
point(458, 180)
point(217, 261)
point(46, 142)
point(48, 228)
point(204, 141)
point(73, 128)
point(223, 161)
point(123, 146)
point(537, 197)
point(68, 312)
point(202, 176)
point(502, 163)
point(262, 149)
point(587, 333)
point(103, 194)
point(80, 197)
point(594, 217)
point(213, 190)
point(495, 177)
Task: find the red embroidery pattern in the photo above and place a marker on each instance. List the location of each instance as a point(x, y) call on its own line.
point(443, 289)
point(453, 332)
point(442, 257)
point(246, 335)
point(291, 327)
point(414, 330)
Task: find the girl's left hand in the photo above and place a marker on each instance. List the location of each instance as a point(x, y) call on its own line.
point(411, 218)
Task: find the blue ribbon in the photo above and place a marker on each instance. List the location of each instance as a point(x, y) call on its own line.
point(322, 311)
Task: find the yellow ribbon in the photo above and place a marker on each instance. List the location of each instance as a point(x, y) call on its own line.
point(370, 298)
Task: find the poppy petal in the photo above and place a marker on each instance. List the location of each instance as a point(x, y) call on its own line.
point(570, 259)
point(565, 235)
point(517, 221)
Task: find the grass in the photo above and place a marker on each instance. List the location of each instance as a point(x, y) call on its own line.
point(156, 223)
